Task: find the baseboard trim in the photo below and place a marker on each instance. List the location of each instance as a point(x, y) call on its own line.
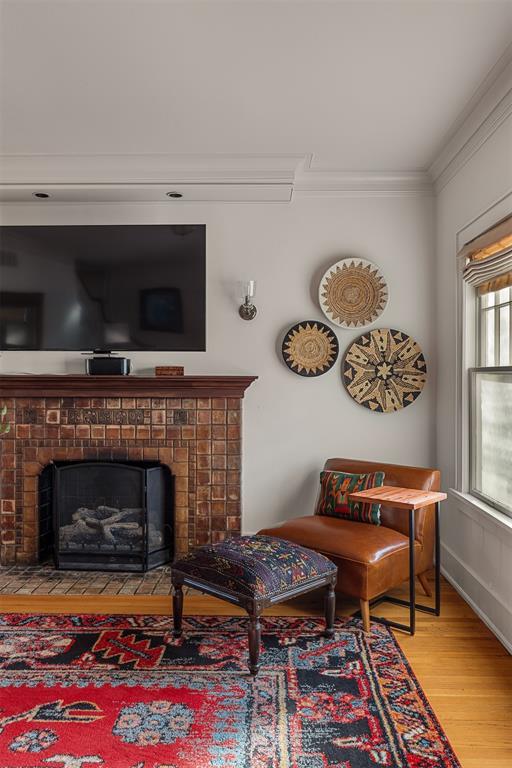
point(505, 641)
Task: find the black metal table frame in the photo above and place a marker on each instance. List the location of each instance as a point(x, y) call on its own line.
point(253, 606)
point(411, 603)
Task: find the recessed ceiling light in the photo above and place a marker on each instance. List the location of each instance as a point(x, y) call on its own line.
point(174, 195)
point(40, 195)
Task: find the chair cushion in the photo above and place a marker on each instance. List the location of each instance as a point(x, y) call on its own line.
point(343, 539)
point(335, 488)
point(255, 566)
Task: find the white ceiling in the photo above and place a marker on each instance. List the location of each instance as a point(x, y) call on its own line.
point(366, 86)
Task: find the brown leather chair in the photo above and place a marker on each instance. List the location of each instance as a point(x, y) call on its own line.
point(371, 559)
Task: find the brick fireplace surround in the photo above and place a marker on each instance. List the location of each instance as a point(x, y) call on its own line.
point(190, 423)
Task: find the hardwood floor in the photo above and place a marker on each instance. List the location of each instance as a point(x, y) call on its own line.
point(465, 672)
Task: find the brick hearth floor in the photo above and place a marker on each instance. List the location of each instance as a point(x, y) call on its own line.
point(45, 580)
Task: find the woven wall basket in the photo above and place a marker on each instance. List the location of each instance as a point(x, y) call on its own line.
point(353, 293)
point(310, 348)
point(384, 370)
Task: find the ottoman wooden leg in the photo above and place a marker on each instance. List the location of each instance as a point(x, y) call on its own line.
point(254, 640)
point(330, 610)
point(177, 609)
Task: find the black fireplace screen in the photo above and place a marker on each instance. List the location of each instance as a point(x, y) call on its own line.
point(111, 515)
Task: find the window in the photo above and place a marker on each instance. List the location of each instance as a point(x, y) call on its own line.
point(495, 337)
point(486, 262)
point(491, 402)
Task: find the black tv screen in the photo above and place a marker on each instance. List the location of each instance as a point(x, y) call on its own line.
point(136, 287)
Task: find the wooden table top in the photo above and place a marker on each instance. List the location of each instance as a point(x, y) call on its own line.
point(401, 498)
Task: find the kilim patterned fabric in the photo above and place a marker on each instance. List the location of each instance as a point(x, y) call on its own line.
point(122, 692)
point(256, 566)
point(335, 488)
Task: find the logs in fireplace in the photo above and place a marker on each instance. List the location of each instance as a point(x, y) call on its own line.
point(106, 515)
point(108, 527)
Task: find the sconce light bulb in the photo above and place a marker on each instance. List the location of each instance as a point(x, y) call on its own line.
point(247, 310)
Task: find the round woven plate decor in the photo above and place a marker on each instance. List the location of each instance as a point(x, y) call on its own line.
point(353, 293)
point(310, 348)
point(384, 370)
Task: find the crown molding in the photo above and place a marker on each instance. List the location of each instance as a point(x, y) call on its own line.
point(202, 178)
point(148, 169)
point(341, 182)
point(489, 107)
point(329, 182)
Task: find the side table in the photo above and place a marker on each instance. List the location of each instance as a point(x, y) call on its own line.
point(408, 499)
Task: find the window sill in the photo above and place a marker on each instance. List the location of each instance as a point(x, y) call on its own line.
point(481, 512)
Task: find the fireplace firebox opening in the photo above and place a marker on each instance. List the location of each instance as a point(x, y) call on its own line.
point(106, 515)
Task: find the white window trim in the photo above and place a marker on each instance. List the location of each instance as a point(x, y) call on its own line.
point(481, 512)
point(466, 358)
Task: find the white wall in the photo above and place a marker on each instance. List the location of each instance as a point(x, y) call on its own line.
point(291, 424)
point(477, 546)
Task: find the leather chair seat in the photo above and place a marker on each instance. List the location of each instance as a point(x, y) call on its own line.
point(360, 542)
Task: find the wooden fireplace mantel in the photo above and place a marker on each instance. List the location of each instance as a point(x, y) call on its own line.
point(43, 385)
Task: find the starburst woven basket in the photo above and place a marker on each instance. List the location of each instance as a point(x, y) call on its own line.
point(310, 348)
point(353, 293)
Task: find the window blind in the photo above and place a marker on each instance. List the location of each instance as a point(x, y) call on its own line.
point(487, 259)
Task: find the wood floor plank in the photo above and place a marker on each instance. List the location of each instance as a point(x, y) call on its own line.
point(117, 604)
point(463, 669)
point(490, 762)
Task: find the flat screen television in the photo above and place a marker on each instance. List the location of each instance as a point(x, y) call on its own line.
point(132, 287)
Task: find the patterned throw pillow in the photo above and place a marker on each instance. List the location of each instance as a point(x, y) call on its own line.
point(334, 490)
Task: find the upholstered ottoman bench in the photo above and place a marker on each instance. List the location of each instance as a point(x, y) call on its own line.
point(254, 572)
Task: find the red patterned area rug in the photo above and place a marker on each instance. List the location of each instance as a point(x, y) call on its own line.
point(121, 692)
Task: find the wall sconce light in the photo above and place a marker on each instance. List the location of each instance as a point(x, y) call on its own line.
point(247, 310)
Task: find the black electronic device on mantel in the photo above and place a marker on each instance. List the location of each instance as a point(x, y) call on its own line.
point(127, 287)
point(104, 362)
